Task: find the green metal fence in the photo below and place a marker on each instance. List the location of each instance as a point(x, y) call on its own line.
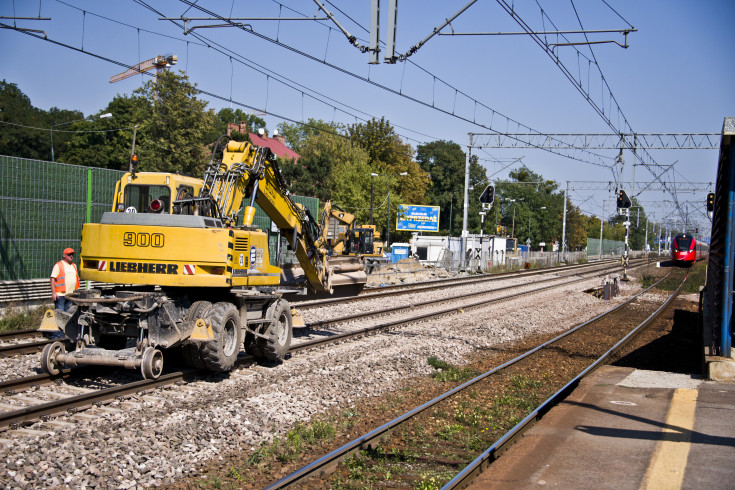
point(609, 247)
point(44, 204)
point(42, 208)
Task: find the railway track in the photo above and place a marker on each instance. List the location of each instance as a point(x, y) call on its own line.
point(17, 342)
point(403, 289)
point(616, 326)
point(16, 417)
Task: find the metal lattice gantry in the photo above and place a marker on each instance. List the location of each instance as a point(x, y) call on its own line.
point(602, 141)
point(636, 187)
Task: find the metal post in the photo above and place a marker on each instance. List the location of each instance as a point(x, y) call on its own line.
point(387, 236)
point(132, 149)
point(465, 232)
point(602, 221)
point(371, 197)
point(646, 241)
point(513, 229)
point(564, 225)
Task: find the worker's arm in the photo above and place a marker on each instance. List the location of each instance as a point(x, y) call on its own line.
point(53, 288)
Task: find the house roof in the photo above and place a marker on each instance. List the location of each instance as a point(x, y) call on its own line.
point(277, 147)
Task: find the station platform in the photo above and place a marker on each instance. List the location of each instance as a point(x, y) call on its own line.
point(625, 428)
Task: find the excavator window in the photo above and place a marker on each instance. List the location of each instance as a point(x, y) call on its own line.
point(140, 197)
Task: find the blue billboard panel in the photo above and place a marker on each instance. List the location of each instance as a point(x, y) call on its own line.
point(417, 218)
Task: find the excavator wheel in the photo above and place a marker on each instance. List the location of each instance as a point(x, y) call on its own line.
point(190, 352)
point(279, 331)
point(220, 354)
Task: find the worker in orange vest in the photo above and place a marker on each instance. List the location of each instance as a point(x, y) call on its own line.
point(64, 280)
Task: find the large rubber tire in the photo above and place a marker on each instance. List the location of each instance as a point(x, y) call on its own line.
point(48, 358)
point(190, 352)
point(220, 354)
point(279, 331)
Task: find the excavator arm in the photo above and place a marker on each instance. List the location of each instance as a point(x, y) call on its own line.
point(247, 172)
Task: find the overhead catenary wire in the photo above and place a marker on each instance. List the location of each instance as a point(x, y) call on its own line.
point(392, 90)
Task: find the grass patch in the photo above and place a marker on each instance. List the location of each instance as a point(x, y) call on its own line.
point(697, 276)
point(447, 372)
point(21, 319)
point(647, 280)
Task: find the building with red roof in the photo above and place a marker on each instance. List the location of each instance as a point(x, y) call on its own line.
point(277, 143)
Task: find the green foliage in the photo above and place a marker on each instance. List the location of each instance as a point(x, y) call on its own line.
point(21, 319)
point(27, 136)
point(444, 162)
point(446, 372)
point(227, 115)
point(107, 148)
point(178, 129)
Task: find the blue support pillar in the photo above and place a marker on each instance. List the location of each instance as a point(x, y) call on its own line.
point(727, 265)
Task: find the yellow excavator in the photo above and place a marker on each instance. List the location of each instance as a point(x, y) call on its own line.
point(198, 280)
point(346, 242)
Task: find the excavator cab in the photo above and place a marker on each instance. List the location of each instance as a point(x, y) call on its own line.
point(154, 192)
point(360, 241)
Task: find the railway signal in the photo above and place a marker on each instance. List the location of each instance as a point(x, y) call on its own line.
point(487, 197)
point(711, 201)
point(623, 200)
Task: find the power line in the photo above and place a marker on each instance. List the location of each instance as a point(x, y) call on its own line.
point(431, 105)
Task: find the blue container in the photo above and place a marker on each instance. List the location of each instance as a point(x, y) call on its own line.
point(400, 251)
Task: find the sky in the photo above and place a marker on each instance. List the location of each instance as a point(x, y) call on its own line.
point(674, 77)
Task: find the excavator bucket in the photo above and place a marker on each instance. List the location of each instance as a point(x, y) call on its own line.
point(347, 275)
point(347, 271)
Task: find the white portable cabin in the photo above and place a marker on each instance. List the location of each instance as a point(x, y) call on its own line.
point(431, 249)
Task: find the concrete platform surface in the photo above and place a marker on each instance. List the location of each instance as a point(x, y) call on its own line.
point(627, 429)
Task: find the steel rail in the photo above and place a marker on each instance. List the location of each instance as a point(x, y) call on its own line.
point(394, 309)
point(80, 402)
point(15, 418)
point(327, 463)
point(23, 348)
point(489, 455)
point(432, 285)
point(19, 334)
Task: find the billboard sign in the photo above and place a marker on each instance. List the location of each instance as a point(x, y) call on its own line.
point(417, 218)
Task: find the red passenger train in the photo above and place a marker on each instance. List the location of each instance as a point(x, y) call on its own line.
point(684, 249)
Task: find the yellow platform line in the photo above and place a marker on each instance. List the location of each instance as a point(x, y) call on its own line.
point(666, 470)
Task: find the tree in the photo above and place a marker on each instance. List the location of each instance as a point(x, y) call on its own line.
point(179, 128)
point(524, 196)
point(444, 162)
point(320, 150)
point(227, 115)
point(27, 132)
point(111, 146)
point(388, 155)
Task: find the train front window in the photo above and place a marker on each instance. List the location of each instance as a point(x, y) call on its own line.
point(683, 242)
point(140, 197)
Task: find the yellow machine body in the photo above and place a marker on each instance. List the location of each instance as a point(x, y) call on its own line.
point(176, 256)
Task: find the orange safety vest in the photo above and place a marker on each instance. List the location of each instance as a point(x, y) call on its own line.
point(60, 284)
